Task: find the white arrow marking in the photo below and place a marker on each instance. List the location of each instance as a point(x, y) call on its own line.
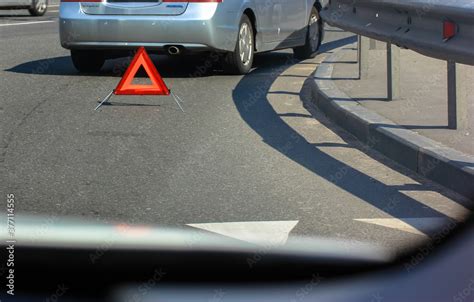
point(259, 232)
point(419, 226)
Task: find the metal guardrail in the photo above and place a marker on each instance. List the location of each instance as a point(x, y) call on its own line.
point(419, 25)
point(442, 29)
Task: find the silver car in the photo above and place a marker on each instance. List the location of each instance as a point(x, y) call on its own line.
point(35, 7)
point(96, 30)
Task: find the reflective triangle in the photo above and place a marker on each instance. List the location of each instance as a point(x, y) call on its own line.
point(258, 232)
point(157, 87)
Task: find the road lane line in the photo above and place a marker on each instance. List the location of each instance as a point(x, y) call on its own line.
point(267, 233)
point(423, 226)
point(53, 11)
point(26, 23)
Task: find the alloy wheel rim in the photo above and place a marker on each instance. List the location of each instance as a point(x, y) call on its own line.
point(41, 6)
point(314, 31)
point(245, 44)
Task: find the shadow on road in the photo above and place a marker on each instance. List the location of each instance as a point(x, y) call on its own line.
point(169, 67)
point(16, 16)
point(250, 98)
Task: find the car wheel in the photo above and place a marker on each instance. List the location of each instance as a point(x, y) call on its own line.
point(38, 7)
point(240, 61)
point(313, 38)
point(87, 60)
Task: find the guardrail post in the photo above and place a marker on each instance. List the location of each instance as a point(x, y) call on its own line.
point(363, 56)
point(393, 72)
point(457, 98)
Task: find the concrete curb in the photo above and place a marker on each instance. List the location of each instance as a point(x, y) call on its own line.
point(444, 165)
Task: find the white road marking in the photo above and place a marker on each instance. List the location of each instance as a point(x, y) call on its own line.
point(26, 23)
point(53, 11)
point(53, 5)
point(418, 226)
point(266, 233)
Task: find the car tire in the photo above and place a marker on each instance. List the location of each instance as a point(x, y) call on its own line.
point(241, 59)
point(313, 37)
point(38, 7)
point(87, 60)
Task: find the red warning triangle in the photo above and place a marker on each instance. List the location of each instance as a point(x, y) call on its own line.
point(157, 87)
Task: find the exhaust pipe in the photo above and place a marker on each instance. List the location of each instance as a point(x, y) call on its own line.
point(174, 50)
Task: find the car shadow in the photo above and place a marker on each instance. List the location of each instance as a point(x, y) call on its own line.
point(251, 100)
point(169, 67)
point(26, 15)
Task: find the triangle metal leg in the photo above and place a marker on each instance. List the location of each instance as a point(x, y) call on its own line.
point(107, 98)
point(177, 100)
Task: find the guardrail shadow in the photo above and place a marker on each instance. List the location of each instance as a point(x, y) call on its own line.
point(251, 100)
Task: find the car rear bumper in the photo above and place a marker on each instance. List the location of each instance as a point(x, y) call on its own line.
point(199, 28)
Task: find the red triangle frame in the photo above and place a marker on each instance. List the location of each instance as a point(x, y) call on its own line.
point(157, 87)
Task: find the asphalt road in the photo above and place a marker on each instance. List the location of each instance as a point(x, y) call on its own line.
point(245, 150)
